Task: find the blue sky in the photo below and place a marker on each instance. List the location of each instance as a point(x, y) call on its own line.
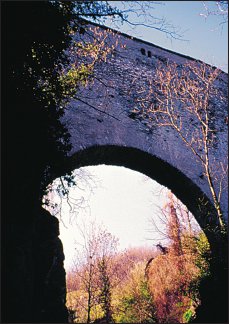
point(207, 39)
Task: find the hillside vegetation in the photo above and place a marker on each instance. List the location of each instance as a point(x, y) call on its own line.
point(140, 285)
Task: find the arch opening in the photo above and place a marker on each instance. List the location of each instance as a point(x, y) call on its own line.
point(123, 200)
point(153, 167)
point(127, 157)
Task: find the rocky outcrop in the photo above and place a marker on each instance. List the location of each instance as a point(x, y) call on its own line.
point(49, 273)
point(34, 288)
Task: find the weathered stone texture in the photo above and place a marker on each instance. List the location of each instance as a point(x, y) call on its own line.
point(48, 270)
point(124, 74)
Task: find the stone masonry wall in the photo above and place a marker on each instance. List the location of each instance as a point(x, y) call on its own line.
point(123, 75)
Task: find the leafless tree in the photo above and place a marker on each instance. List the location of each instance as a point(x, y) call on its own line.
point(144, 13)
point(85, 267)
point(220, 9)
point(89, 47)
point(173, 219)
point(183, 98)
point(93, 269)
point(62, 198)
point(108, 247)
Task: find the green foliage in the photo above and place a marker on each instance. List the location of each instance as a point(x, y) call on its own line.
point(199, 247)
point(40, 79)
point(203, 255)
point(121, 294)
point(139, 297)
point(136, 307)
point(188, 315)
point(134, 301)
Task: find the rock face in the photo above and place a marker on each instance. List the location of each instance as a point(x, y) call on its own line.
point(49, 286)
point(35, 278)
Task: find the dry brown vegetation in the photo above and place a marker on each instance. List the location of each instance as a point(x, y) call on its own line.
point(173, 277)
point(140, 284)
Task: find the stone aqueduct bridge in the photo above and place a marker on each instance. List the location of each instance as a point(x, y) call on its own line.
point(105, 131)
point(34, 285)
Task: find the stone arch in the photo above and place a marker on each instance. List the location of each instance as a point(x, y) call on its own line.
point(185, 190)
point(153, 167)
